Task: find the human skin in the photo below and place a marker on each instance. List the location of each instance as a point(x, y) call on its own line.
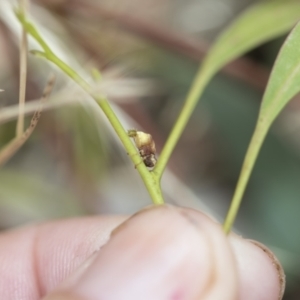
point(160, 253)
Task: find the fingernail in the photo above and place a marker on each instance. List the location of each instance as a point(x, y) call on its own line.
point(277, 265)
point(260, 273)
point(160, 253)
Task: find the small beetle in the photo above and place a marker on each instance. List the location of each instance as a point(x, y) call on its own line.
point(146, 146)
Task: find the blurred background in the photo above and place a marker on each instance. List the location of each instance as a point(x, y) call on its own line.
point(148, 52)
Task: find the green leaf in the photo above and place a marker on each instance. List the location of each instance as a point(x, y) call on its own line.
point(260, 23)
point(283, 85)
point(29, 196)
point(284, 82)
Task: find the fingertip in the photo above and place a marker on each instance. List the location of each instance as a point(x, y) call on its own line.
point(260, 274)
point(161, 253)
point(277, 266)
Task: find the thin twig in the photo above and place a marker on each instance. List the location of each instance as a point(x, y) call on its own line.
point(12, 147)
point(23, 75)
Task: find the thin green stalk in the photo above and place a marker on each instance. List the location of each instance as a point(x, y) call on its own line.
point(202, 78)
point(49, 55)
point(256, 142)
point(150, 180)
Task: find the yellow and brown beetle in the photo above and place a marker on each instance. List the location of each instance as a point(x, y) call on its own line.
point(146, 146)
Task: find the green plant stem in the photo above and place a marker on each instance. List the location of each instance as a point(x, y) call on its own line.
point(150, 180)
point(256, 142)
point(202, 78)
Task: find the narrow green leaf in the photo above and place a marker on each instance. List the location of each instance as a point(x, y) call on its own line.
point(283, 85)
point(284, 82)
point(29, 196)
point(260, 23)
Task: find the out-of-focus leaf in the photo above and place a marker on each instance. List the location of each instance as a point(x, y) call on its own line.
point(260, 23)
point(284, 83)
point(28, 197)
point(90, 157)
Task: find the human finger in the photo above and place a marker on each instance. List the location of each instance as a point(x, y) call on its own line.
point(159, 253)
point(34, 259)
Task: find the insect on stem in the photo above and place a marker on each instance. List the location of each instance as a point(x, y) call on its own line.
point(146, 146)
